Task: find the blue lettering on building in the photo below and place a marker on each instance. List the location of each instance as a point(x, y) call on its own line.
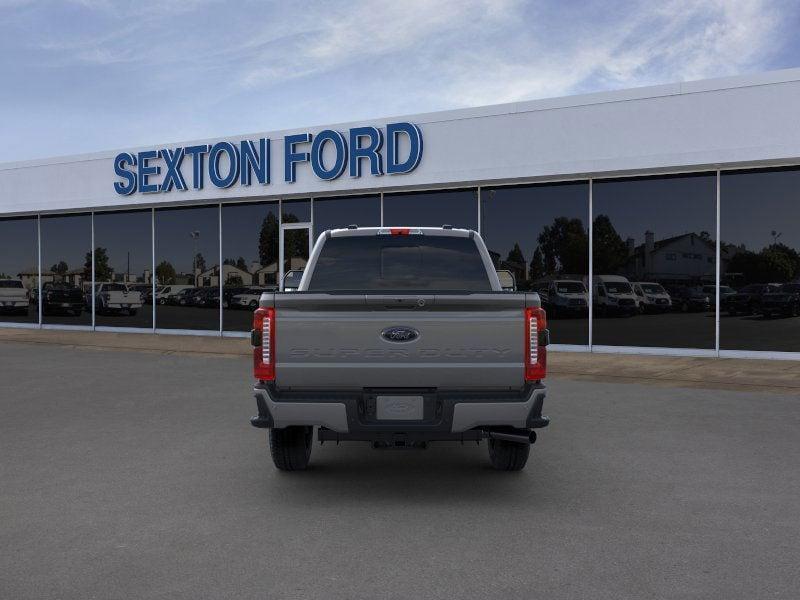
point(328, 155)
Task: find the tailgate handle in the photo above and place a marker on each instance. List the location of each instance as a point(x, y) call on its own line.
point(401, 302)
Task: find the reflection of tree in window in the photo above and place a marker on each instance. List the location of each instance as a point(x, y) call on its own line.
point(565, 246)
point(102, 270)
point(610, 250)
point(268, 240)
point(165, 273)
point(775, 263)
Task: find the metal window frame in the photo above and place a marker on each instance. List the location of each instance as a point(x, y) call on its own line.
point(92, 285)
point(590, 278)
point(220, 283)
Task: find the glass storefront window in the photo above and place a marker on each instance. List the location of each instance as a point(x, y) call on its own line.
point(458, 208)
point(187, 268)
point(296, 211)
point(250, 260)
point(123, 265)
point(760, 260)
point(540, 233)
point(654, 261)
point(66, 269)
point(333, 213)
point(19, 270)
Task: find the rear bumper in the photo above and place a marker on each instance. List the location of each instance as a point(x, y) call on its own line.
point(446, 413)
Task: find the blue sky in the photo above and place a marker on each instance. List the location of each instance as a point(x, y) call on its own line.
point(88, 75)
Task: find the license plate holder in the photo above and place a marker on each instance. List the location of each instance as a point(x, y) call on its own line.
point(399, 407)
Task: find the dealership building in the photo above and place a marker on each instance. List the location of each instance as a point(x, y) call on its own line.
point(653, 220)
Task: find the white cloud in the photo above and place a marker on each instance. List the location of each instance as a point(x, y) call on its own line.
point(675, 41)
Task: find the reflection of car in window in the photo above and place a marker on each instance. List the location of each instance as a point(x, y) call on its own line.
point(725, 293)
point(689, 299)
point(114, 298)
point(564, 297)
point(62, 298)
point(783, 301)
point(613, 294)
point(651, 297)
point(249, 297)
point(14, 298)
point(748, 299)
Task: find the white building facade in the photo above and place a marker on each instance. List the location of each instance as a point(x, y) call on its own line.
point(588, 185)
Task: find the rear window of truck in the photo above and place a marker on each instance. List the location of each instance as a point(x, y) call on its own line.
point(399, 263)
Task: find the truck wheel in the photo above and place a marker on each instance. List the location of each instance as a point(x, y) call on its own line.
point(291, 447)
point(508, 456)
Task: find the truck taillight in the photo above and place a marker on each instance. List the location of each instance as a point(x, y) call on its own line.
point(536, 338)
point(263, 339)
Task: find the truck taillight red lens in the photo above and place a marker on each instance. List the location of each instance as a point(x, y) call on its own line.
point(400, 230)
point(535, 348)
point(264, 354)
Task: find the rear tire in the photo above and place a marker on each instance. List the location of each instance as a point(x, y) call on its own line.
point(508, 456)
point(290, 447)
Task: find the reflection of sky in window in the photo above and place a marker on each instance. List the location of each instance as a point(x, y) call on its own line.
point(753, 205)
point(667, 206)
point(241, 228)
point(332, 213)
point(174, 242)
point(458, 208)
point(124, 233)
point(518, 214)
point(19, 246)
point(297, 209)
point(67, 239)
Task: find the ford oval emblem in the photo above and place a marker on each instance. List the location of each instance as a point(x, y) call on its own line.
point(400, 334)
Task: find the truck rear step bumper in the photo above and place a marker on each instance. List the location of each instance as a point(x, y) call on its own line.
point(455, 413)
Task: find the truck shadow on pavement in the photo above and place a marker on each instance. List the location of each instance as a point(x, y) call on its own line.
point(438, 475)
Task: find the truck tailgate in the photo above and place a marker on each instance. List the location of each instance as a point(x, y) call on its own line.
point(461, 341)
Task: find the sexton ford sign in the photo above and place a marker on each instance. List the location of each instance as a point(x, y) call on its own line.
point(225, 164)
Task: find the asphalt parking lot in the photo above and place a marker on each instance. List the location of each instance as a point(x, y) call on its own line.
point(136, 475)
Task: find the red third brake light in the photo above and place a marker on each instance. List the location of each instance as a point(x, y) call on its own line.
point(535, 340)
point(400, 230)
point(264, 352)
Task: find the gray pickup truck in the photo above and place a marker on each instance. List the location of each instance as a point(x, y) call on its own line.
point(400, 336)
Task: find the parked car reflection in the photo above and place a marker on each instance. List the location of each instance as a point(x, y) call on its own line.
point(114, 298)
point(689, 299)
point(14, 298)
point(785, 301)
point(564, 298)
point(651, 297)
point(748, 299)
point(61, 298)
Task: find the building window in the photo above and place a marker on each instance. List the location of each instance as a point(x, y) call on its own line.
point(760, 254)
point(66, 269)
point(655, 219)
point(187, 268)
point(249, 260)
point(296, 211)
point(123, 267)
point(540, 234)
point(19, 270)
point(332, 213)
point(458, 208)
